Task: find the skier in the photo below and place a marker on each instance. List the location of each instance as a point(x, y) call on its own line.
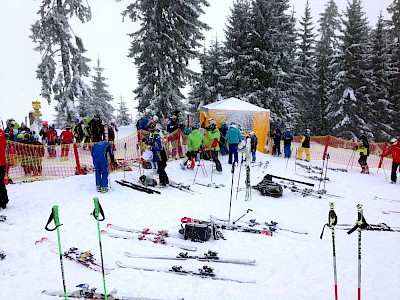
point(100, 162)
point(51, 137)
point(43, 131)
point(277, 136)
point(23, 128)
point(10, 130)
point(233, 137)
point(287, 143)
point(3, 163)
point(66, 138)
point(37, 157)
point(213, 137)
point(174, 136)
point(77, 130)
point(253, 144)
point(96, 129)
point(142, 124)
point(223, 129)
point(305, 145)
point(155, 144)
point(394, 150)
point(364, 153)
point(196, 140)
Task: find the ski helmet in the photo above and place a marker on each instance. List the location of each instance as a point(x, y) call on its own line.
point(76, 120)
point(68, 127)
point(308, 131)
point(155, 118)
point(393, 141)
point(20, 137)
point(252, 133)
point(233, 124)
point(45, 124)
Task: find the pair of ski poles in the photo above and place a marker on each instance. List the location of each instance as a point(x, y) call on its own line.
point(361, 224)
point(54, 216)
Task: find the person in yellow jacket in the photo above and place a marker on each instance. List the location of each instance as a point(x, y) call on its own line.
point(363, 148)
point(305, 146)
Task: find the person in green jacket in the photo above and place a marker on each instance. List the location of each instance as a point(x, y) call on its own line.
point(214, 137)
point(196, 140)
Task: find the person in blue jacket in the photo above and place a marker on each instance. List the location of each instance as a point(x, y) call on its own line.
point(233, 137)
point(100, 162)
point(287, 143)
point(155, 144)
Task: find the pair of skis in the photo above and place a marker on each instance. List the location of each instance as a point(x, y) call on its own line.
point(137, 187)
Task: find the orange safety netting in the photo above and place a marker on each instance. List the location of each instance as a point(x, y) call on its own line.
point(27, 161)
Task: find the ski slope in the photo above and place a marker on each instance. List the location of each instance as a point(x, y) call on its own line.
point(288, 265)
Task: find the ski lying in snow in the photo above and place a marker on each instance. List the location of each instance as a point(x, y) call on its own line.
point(388, 212)
point(145, 231)
point(386, 199)
point(214, 185)
point(309, 168)
point(84, 258)
point(2, 255)
point(210, 256)
point(273, 226)
point(205, 272)
point(370, 227)
point(156, 240)
point(182, 187)
point(137, 187)
point(3, 218)
point(223, 223)
point(309, 192)
point(85, 293)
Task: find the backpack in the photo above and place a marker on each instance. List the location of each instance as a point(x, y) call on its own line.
point(196, 232)
point(269, 188)
point(147, 181)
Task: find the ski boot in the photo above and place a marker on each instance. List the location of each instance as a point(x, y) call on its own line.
point(207, 271)
point(104, 190)
point(98, 188)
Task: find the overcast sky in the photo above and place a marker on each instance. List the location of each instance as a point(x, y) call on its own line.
point(104, 37)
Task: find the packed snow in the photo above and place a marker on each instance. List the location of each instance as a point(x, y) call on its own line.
point(288, 265)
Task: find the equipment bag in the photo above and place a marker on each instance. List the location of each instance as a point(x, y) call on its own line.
point(269, 188)
point(196, 232)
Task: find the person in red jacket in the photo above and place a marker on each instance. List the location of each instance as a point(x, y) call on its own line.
point(394, 149)
point(67, 137)
point(3, 163)
point(51, 137)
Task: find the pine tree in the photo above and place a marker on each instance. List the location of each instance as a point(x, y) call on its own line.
point(327, 47)
point(349, 107)
point(394, 97)
point(306, 74)
point(63, 64)
point(238, 50)
point(123, 117)
point(101, 97)
point(168, 38)
point(378, 91)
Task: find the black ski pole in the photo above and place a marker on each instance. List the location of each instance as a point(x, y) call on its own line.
point(240, 170)
point(230, 201)
point(54, 216)
point(96, 212)
point(247, 211)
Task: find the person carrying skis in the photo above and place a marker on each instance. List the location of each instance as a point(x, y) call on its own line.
point(305, 145)
point(3, 164)
point(253, 145)
point(100, 161)
point(394, 150)
point(66, 138)
point(155, 144)
point(195, 141)
point(213, 145)
point(363, 148)
point(277, 136)
point(233, 137)
point(287, 143)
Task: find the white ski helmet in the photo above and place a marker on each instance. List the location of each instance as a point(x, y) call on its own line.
point(393, 141)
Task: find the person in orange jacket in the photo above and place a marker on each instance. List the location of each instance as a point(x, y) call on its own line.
point(394, 149)
point(3, 163)
point(67, 137)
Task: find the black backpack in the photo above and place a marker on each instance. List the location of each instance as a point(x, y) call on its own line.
point(269, 188)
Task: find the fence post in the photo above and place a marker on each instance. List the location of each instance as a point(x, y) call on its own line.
point(78, 164)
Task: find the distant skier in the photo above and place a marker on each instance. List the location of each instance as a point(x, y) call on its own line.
point(394, 150)
point(195, 141)
point(67, 137)
point(214, 136)
point(223, 129)
point(233, 137)
point(277, 136)
point(254, 142)
point(305, 145)
point(287, 143)
point(363, 148)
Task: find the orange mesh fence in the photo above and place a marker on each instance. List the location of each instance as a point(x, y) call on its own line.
point(38, 162)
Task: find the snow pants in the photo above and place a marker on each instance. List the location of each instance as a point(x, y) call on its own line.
point(287, 151)
point(3, 190)
point(300, 154)
point(214, 157)
point(393, 176)
point(101, 171)
point(233, 152)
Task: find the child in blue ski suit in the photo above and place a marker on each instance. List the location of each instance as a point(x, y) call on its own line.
point(287, 143)
point(100, 162)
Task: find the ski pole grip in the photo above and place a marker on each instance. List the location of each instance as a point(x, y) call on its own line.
point(353, 229)
point(98, 210)
point(53, 216)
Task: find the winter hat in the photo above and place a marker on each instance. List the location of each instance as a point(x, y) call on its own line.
point(22, 124)
point(308, 131)
point(76, 120)
point(393, 141)
point(252, 133)
point(155, 118)
point(222, 122)
point(277, 126)
point(45, 124)
point(68, 127)
point(233, 124)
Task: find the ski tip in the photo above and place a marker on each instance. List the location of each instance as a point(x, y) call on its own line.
point(41, 240)
point(109, 225)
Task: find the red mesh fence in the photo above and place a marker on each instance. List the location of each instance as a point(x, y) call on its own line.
point(28, 162)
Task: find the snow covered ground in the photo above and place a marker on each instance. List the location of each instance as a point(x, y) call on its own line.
point(288, 265)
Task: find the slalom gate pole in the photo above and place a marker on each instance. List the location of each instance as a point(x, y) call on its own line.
point(326, 169)
point(54, 216)
point(240, 170)
point(96, 212)
point(230, 201)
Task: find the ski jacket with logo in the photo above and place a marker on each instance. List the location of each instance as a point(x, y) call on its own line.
point(364, 148)
point(3, 145)
point(287, 138)
point(99, 152)
point(154, 140)
point(51, 136)
point(196, 140)
point(395, 151)
point(67, 137)
point(214, 137)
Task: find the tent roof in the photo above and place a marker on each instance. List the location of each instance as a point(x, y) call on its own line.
point(233, 104)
